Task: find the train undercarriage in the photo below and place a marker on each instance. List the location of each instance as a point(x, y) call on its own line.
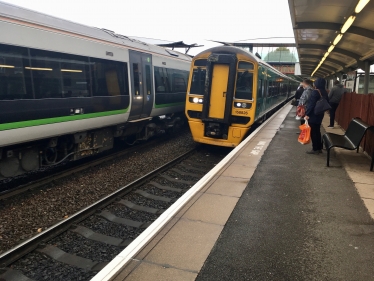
point(20, 159)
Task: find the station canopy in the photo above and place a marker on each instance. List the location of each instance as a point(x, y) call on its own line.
point(333, 36)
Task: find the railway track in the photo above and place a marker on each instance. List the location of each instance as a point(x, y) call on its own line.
point(79, 246)
point(39, 178)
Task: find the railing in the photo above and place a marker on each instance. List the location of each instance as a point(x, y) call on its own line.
point(358, 105)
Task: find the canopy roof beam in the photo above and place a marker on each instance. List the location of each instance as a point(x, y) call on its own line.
point(336, 27)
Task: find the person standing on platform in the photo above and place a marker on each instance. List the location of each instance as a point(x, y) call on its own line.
point(299, 92)
point(303, 101)
point(315, 120)
point(335, 96)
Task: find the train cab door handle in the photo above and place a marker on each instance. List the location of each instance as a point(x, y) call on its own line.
point(224, 94)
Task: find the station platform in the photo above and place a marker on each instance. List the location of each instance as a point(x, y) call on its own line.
point(268, 211)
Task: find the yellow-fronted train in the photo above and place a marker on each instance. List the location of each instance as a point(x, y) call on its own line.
point(229, 90)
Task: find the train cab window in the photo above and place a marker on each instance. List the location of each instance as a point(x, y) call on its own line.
point(244, 85)
point(15, 79)
point(198, 81)
point(201, 62)
point(245, 65)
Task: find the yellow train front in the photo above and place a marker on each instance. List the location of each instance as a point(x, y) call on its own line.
point(230, 89)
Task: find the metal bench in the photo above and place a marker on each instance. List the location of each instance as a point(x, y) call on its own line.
point(350, 140)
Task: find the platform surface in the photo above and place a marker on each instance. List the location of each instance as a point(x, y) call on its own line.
point(273, 213)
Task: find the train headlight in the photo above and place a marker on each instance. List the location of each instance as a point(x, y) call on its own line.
point(196, 100)
point(243, 105)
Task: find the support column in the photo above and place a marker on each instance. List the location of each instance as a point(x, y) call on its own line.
point(367, 77)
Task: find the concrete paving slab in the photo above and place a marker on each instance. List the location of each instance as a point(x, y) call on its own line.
point(228, 186)
point(212, 208)
point(155, 272)
point(358, 176)
point(144, 252)
point(127, 270)
point(245, 159)
point(188, 205)
point(366, 191)
point(369, 203)
point(239, 171)
point(179, 247)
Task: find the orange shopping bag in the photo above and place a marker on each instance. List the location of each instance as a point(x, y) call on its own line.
point(304, 137)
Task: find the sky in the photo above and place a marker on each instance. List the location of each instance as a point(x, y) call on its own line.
point(191, 21)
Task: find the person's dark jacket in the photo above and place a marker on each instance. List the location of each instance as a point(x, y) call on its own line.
point(299, 92)
point(336, 93)
point(315, 96)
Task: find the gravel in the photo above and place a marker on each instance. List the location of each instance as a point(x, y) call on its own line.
point(39, 267)
point(127, 213)
point(140, 200)
point(75, 244)
point(162, 192)
point(111, 229)
point(24, 215)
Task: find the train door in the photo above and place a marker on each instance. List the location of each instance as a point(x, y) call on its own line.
point(219, 94)
point(220, 77)
point(141, 85)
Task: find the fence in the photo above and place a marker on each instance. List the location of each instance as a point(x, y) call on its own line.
point(357, 105)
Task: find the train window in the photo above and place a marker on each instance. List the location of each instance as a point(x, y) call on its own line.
point(15, 79)
point(245, 65)
point(110, 77)
point(179, 82)
point(260, 89)
point(57, 75)
point(198, 81)
point(202, 62)
point(244, 85)
point(135, 74)
point(159, 80)
point(168, 79)
point(148, 79)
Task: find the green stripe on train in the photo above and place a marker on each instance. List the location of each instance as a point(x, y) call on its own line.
point(30, 123)
point(169, 104)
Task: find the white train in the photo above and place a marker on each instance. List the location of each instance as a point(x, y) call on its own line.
point(67, 90)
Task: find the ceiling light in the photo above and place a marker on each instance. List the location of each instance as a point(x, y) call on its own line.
point(331, 48)
point(326, 55)
point(347, 24)
point(361, 4)
point(71, 70)
point(6, 66)
point(337, 39)
point(38, 68)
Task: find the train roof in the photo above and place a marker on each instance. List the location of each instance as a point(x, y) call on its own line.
point(236, 50)
point(27, 16)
